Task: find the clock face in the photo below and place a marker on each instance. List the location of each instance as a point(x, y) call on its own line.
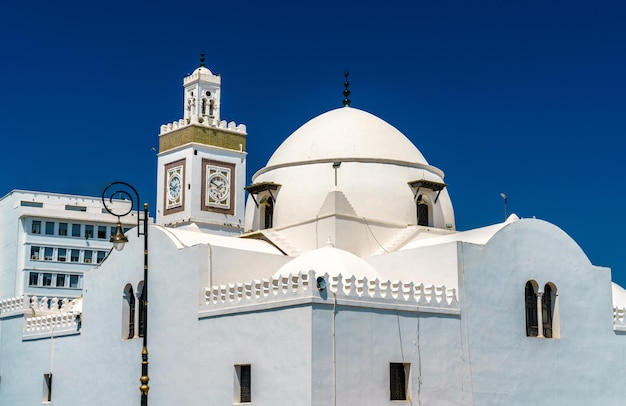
point(174, 187)
point(219, 187)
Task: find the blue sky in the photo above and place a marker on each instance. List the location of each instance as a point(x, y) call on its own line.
point(526, 98)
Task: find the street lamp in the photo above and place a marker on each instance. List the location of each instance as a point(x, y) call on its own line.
point(505, 199)
point(123, 191)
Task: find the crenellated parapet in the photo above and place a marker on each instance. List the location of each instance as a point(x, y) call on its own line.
point(14, 306)
point(305, 288)
point(52, 325)
point(44, 317)
point(619, 319)
point(203, 122)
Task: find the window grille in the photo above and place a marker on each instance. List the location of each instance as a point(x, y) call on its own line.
point(546, 309)
point(244, 378)
point(397, 381)
point(422, 214)
point(532, 328)
point(269, 213)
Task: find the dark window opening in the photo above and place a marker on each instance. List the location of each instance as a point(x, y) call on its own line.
point(245, 390)
point(546, 309)
point(269, 213)
point(397, 381)
point(422, 213)
point(532, 328)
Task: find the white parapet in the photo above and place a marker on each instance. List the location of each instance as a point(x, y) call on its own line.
point(303, 287)
point(203, 122)
point(619, 319)
point(14, 306)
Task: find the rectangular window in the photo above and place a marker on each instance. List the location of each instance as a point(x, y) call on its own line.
point(31, 204)
point(34, 253)
point(102, 232)
point(74, 255)
point(243, 387)
point(63, 229)
point(61, 280)
point(74, 281)
point(100, 256)
point(46, 396)
point(33, 279)
point(75, 208)
point(398, 380)
point(88, 231)
point(46, 280)
point(88, 256)
point(36, 227)
point(75, 230)
point(50, 227)
point(61, 255)
point(113, 230)
point(47, 253)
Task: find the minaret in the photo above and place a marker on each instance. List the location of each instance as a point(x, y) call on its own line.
point(202, 95)
point(202, 162)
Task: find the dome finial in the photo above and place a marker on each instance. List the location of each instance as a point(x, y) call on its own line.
point(346, 91)
point(202, 60)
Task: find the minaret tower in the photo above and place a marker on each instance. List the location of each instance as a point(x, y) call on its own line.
point(202, 162)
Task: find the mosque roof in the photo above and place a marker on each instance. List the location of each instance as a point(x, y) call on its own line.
point(346, 133)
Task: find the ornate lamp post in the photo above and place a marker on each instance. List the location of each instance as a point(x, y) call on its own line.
point(123, 191)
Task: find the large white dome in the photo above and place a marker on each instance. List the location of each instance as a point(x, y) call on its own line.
point(330, 260)
point(349, 176)
point(346, 133)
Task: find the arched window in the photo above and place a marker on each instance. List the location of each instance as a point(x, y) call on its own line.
point(203, 106)
point(268, 213)
point(211, 107)
point(547, 310)
point(422, 211)
point(128, 313)
point(532, 328)
point(141, 310)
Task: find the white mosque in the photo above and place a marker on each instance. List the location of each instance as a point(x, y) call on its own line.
point(336, 278)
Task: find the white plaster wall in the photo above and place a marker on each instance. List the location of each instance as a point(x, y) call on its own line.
point(434, 265)
point(367, 340)
point(230, 265)
point(584, 366)
point(277, 345)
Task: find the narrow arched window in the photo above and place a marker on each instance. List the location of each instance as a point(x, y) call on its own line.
point(268, 215)
point(422, 211)
point(128, 313)
point(203, 107)
point(211, 107)
point(532, 328)
point(142, 307)
point(547, 310)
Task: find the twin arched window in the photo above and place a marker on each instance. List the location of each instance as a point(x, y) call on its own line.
point(541, 310)
point(129, 315)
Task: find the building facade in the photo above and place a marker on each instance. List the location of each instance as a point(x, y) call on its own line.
point(50, 240)
point(327, 295)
